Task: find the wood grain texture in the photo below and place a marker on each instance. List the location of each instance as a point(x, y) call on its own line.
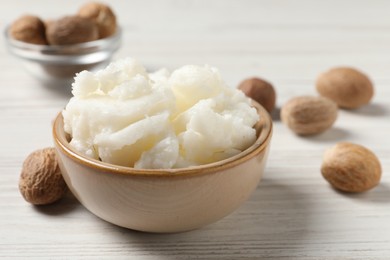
point(294, 213)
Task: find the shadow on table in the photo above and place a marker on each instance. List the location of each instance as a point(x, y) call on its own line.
point(371, 110)
point(62, 90)
point(334, 134)
point(379, 194)
point(275, 114)
point(274, 218)
point(62, 207)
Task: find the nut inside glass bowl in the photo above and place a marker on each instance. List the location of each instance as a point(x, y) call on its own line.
point(56, 65)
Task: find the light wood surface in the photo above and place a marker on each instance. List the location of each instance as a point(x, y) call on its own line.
point(294, 213)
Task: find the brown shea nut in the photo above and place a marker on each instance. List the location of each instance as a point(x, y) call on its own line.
point(261, 91)
point(307, 115)
point(71, 30)
point(348, 87)
point(41, 181)
point(28, 28)
point(103, 16)
point(48, 22)
point(351, 167)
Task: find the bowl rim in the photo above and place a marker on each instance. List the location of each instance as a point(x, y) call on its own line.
point(262, 141)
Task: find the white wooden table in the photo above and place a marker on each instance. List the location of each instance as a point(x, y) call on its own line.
point(294, 213)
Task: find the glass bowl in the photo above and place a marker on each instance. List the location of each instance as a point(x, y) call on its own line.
point(56, 65)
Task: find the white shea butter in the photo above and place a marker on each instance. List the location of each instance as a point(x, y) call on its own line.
point(125, 116)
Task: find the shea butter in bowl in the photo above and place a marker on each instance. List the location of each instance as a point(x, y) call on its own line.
point(144, 165)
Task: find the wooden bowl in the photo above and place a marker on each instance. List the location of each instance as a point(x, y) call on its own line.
point(164, 200)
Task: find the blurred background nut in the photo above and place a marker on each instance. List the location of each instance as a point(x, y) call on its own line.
point(71, 30)
point(28, 28)
point(103, 16)
point(307, 115)
point(348, 87)
point(261, 91)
